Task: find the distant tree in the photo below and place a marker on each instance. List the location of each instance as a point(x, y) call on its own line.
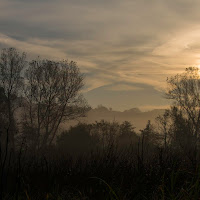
point(164, 124)
point(126, 128)
point(102, 108)
point(106, 131)
point(52, 92)
point(77, 139)
point(12, 64)
point(147, 141)
point(127, 134)
point(148, 134)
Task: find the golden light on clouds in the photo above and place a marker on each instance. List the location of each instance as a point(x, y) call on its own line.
point(111, 41)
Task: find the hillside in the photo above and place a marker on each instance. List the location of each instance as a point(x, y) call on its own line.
point(134, 115)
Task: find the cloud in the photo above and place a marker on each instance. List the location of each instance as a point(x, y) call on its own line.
point(34, 49)
point(123, 87)
point(179, 43)
point(126, 99)
point(113, 42)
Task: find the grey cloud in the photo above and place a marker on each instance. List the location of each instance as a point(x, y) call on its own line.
point(19, 30)
point(111, 40)
point(126, 99)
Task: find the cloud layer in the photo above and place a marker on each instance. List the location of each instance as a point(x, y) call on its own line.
point(117, 44)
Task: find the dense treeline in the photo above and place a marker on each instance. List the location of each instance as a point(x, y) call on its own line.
point(103, 160)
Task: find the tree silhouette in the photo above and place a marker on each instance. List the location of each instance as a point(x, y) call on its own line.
point(12, 64)
point(52, 91)
point(148, 134)
point(77, 139)
point(127, 134)
point(184, 89)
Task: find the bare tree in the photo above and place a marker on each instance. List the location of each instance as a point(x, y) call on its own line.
point(163, 122)
point(12, 64)
point(52, 90)
point(184, 89)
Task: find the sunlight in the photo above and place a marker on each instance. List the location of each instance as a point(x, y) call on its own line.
point(198, 66)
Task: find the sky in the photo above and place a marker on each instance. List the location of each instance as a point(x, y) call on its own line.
point(125, 48)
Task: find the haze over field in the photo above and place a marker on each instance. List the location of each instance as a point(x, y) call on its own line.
point(138, 118)
point(126, 49)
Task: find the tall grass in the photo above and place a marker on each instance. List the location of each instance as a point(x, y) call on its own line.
point(110, 173)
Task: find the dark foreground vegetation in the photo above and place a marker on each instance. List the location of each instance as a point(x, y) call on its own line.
point(103, 160)
point(139, 170)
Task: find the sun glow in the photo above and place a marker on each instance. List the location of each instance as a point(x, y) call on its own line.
point(198, 66)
